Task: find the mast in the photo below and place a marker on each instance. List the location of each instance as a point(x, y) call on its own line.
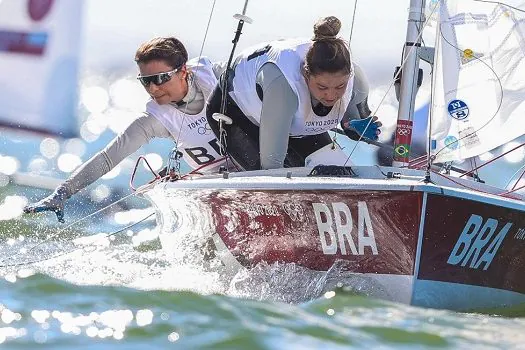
point(409, 79)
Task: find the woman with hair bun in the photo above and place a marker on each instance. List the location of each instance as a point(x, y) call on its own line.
point(284, 96)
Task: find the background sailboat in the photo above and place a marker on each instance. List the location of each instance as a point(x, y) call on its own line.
point(39, 64)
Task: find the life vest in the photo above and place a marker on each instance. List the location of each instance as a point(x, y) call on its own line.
point(195, 140)
point(289, 56)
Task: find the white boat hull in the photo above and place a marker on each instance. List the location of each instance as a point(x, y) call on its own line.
point(400, 239)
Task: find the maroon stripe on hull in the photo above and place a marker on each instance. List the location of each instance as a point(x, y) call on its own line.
point(473, 243)
point(363, 231)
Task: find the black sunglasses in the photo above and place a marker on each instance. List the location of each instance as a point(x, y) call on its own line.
point(157, 79)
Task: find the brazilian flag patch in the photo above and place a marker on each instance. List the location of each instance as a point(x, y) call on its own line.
point(402, 150)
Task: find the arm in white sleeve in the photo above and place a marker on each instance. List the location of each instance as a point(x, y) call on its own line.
point(279, 106)
point(138, 133)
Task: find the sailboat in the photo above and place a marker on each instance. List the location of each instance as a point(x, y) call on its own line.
point(39, 62)
point(426, 237)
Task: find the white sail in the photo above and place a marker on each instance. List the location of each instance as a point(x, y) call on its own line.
point(39, 56)
point(479, 90)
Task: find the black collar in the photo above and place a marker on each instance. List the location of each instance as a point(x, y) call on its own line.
point(321, 110)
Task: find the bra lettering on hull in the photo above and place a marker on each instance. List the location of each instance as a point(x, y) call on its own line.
point(335, 230)
point(477, 243)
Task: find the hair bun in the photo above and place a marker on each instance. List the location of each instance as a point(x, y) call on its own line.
point(326, 28)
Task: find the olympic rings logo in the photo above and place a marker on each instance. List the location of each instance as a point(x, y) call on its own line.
point(204, 130)
point(294, 211)
point(403, 132)
point(314, 129)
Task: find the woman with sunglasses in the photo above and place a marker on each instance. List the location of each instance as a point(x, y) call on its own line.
point(283, 97)
point(178, 89)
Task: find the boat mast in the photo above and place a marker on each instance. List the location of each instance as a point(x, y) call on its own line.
point(409, 79)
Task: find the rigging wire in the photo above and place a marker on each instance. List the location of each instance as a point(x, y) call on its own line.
point(502, 4)
point(522, 168)
point(334, 138)
point(353, 22)
point(184, 112)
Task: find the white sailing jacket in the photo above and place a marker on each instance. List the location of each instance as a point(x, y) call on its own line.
point(289, 56)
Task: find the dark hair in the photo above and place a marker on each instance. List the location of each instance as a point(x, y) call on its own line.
point(168, 49)
point(328, 53)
